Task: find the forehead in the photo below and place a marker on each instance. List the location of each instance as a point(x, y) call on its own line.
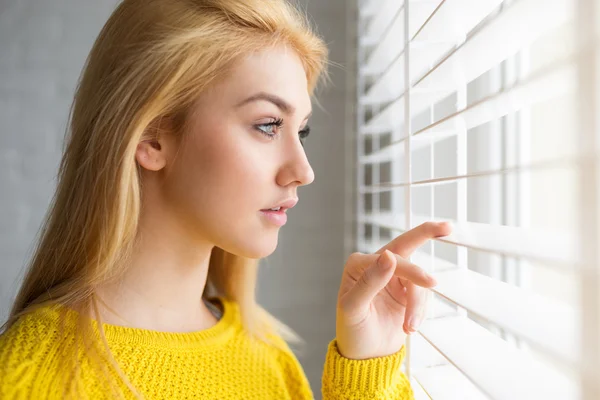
point(278, 71)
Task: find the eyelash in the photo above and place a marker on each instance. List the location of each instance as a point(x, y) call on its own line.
point(279, 123)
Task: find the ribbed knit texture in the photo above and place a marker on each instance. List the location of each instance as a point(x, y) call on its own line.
point(376, 378)
point(221, 362)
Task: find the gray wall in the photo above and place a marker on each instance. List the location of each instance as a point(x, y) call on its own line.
point(43, 46)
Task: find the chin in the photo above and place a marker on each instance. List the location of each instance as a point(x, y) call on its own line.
point(263, 246)
point(262, 251)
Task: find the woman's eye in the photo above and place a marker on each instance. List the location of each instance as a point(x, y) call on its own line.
point(266, 128)
point(269, 129)
point(304, 132)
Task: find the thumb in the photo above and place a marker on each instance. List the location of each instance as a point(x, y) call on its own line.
point(372, 281)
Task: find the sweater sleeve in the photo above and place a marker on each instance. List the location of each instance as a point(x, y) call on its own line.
point(376, 378)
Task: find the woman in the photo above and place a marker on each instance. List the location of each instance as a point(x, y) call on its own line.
point(186, 132)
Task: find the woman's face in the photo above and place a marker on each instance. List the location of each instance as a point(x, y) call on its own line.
point(228, 169)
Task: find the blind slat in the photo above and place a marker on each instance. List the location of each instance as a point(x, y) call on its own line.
point(552, 248)
point(454, 19)
point(386, 46)
point(418, 391)
point(389, 84)
point(498, 369)
point(557, 80)
point(392, 115)
point(525, 314)
point(387, 14)
point(447, 383)
point(512, 30)
point(396, 149)
point(541, 165)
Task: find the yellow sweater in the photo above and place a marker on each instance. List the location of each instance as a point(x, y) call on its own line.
point(221, 362)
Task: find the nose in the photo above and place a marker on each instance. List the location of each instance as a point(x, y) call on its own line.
point(296, 168)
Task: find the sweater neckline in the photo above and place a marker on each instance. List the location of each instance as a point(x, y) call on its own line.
point(217, 334)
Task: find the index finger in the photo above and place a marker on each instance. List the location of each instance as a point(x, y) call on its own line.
point(405, 244)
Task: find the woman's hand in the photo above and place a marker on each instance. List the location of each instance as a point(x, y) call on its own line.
point(382, 296)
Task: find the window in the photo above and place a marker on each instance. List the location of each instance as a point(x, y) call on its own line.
point(485, 113)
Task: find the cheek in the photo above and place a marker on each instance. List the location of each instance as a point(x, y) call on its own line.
point(233, 161)
point(218, 187)
point(224, 171)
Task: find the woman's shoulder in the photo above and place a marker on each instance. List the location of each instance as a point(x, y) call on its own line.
point(27, 351)
point(31, 330)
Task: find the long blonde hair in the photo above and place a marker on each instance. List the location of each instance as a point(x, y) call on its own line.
point(150, 61)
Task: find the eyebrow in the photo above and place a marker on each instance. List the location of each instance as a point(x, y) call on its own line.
point(276, 100)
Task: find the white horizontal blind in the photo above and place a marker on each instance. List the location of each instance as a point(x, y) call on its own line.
point(484, 113)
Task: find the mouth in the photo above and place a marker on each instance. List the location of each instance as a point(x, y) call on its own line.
point(277, 217)
point(276, 210)
point(283, 206)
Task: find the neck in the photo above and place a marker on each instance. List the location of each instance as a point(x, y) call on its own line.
point(161, 288)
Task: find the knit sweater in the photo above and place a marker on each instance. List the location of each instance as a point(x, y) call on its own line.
point(222, 362)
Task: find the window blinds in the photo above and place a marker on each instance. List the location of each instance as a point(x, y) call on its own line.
point(484, 113)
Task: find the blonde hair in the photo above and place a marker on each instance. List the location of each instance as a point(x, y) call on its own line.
point(150, 61)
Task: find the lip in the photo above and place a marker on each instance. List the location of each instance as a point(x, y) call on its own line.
point(278, 218)
point(285, 205)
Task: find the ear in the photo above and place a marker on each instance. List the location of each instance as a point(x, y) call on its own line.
point(152, 151)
